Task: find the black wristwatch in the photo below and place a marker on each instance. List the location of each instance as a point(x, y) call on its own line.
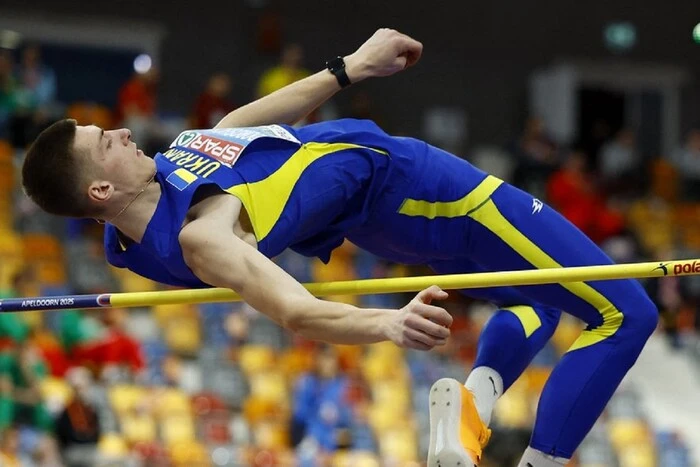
point(337, 67)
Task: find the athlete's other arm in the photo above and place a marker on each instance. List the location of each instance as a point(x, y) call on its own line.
point(221, 259)
point(385, 53)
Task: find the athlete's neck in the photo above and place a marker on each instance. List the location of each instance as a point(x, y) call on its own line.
point(134, 220)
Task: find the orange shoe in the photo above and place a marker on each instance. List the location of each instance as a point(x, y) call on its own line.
point(457, 434)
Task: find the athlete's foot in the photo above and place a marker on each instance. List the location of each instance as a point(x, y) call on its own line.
point(457, 434)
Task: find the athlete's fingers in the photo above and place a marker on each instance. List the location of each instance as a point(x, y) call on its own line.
point(413, 335)
point(411, 49)
point(400, 62)
point(428, 327)
point(431, 293)
point(434, 313)
point(411, 344)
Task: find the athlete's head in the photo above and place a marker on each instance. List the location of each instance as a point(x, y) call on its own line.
point(82, 171)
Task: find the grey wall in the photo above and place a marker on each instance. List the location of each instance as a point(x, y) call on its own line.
point(477, 54)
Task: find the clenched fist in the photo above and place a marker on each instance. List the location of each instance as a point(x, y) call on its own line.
point(385, 53)
point(420, 325)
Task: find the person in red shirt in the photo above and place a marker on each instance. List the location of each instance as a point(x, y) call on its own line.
point(572, 191)
point(137, 97)
point(213, 103)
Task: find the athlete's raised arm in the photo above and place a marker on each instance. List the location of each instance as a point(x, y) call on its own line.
point(385, 53)
point(221, 259)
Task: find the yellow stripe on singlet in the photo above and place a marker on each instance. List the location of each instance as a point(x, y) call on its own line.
point(265, 200)
point(478, 205)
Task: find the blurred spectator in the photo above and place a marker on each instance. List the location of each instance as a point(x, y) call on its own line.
point(214, 102)
point(321, 413)
point(21, 371)
point(112, 353)
point(686, 160)
point(362, 107)
point(572, 191)
point(670, 294)
point(620, 165)
point(10, 455)
point(137, 110)
point(8, 93)
point(36, 96)
point(137, 97)
point(77, 426)
point(535, 155)
point(289, 70)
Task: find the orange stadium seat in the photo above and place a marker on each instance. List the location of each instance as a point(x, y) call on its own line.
point(89, 113)
point(256, 358)
point(41, 247)
point(189, 453)
point(271, 434)
point(256, 409)
point(295, 361)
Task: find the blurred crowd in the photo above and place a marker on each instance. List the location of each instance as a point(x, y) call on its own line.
point(219, 384)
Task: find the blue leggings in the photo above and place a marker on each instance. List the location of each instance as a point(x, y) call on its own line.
point(510, 231)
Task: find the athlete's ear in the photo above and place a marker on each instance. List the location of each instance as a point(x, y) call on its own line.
point(100, 191)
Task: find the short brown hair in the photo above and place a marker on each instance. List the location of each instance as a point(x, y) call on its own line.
point(51, 175)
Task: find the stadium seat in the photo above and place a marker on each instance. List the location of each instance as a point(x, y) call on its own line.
point(112, 445)
point(38, 246)
point(255, 358)
point(398, 445)
point(171, 401)
point(204, 403)
point(269, 385)
point(124, 398)
point(354, 459)
point(189, 453)
point(625, 433)
point(295, 361)
point(271, 434)
point(182, 334)
point(138, 427)
point(131, 282)
point(55, 391)
point(257, 409)
point(90, 113)
point(176, 429)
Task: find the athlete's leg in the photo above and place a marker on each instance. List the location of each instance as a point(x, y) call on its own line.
point(512, 231)
point(512, 337)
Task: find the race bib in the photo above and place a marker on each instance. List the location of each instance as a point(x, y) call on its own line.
point(227, 144)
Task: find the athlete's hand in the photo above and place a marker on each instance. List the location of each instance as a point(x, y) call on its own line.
point(420, 325)
point(385, 53)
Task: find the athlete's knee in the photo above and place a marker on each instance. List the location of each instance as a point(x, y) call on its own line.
point(641, 316)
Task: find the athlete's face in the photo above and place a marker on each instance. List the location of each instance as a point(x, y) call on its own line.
point(114, 162)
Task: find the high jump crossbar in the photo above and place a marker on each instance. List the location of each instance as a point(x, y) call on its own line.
point(560, 275)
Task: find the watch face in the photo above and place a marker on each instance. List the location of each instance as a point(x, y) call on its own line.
point(336, 64)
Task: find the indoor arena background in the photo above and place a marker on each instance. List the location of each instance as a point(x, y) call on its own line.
point(591, 106)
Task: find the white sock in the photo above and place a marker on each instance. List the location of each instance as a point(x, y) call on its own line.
point(535, 458)
point(487, 386)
